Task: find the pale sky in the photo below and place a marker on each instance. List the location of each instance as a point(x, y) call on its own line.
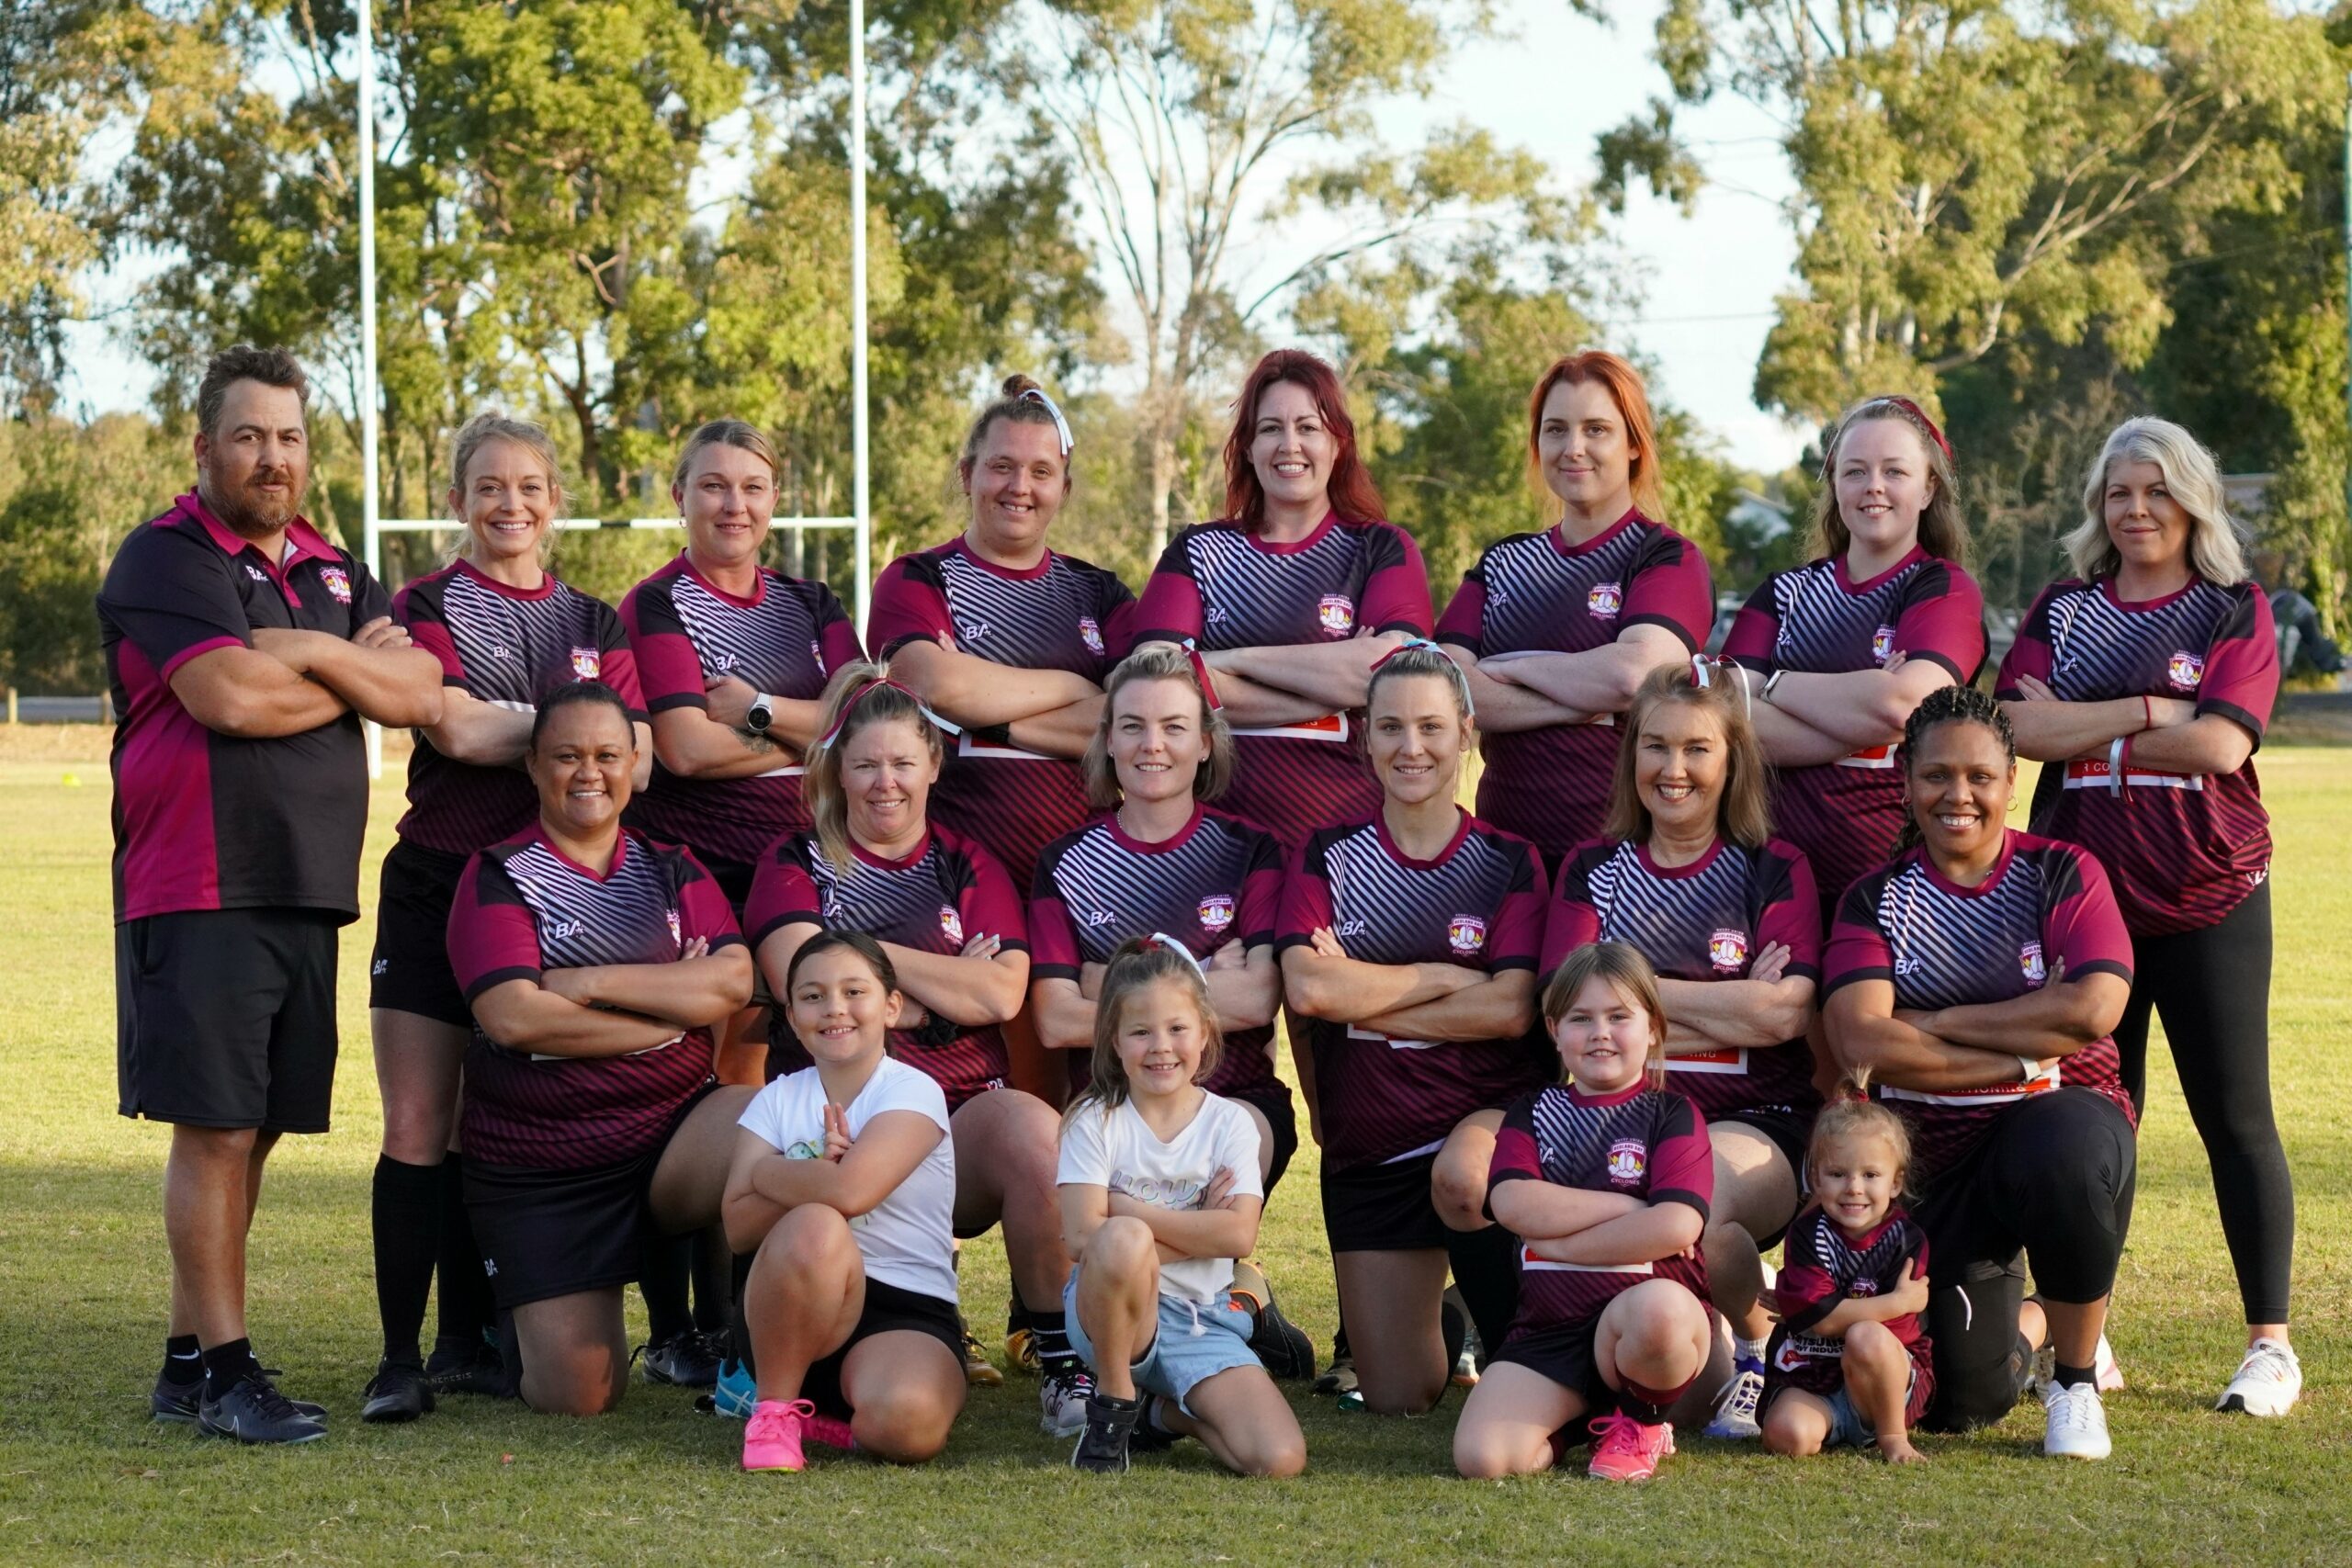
point(1710, 277)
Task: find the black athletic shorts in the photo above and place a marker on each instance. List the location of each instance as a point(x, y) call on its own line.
point(1275, 1104)
point(888, 1309)
point(225, 1018)
point(1383, 1208)
point(1563, 1352)
point(548, 1232)
point(408, 971)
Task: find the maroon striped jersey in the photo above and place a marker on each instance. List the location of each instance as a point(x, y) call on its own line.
point(1824, 1269)
point(786, 640)
point(1478, 905)
point(1062, 613)
point(2185, 849)
point(946, 892)
point(1223, 587)
point(524, 908)
point(1638, 1142)
point(1218, 881)
point(1706, 920)
point(204, 821)
point(1539, 592)
point(1944, 945)
point(510, 648)
point(1816, 619)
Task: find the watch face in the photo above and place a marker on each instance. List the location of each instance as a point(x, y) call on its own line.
point(758, 716)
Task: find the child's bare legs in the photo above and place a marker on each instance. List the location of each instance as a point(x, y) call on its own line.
point(803, 1298)
point(1242, 1418)
point(1878, 1380)
point(1653, 1339)
point(1506, 1426)
point(1796, 1423)
point(1118, 1301)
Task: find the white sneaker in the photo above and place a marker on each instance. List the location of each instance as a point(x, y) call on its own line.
point(1736, 1409)
point(2268, 1383)
point(2075, 1423)
point(1061, 1403)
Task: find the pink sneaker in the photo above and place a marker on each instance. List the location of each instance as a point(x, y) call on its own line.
point(1629, 1450)
point(771, 1437)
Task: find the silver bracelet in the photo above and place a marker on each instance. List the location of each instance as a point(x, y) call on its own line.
point(2027, 1069)
point(2115, 766)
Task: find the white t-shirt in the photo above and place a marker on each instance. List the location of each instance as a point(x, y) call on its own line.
point(1117, 1149)
point(909, 1238)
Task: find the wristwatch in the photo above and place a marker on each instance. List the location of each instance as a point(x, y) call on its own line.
point(759, 715)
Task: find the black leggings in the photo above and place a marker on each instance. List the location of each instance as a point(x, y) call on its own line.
point(2211, 988)
point(2053, 1181)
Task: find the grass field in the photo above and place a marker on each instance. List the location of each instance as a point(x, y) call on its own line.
point(83, 1476)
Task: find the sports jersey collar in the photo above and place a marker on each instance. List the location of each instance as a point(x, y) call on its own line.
point(305, 540)
point(2145, 606)
point(1010, 575)
point(1120, 836)
point(1314, 536)
point(539, 835)
point(1461, 831)
point(1678, 872)
point(1559, 537)
point(1917, 553)
point(759, 583)
point(545, 589)
point(1870, 1238)
point(2000, 869)
point(884, 862)
point(1621, 1097)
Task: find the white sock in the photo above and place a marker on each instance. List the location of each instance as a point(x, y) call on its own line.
point(1747, 1349)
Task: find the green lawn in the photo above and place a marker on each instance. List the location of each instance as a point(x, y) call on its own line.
point(84, 1476)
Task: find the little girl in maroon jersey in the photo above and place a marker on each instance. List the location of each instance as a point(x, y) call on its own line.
point(1605, 1177)
point(1849, 1363)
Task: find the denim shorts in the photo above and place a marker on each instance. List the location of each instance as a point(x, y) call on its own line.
point(1848, 1427)
point(1192, 1344)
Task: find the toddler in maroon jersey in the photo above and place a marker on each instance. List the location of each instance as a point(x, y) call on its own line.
point(1605, 1177)
point(1849, 1363)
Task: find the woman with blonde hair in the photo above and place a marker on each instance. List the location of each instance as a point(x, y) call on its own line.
point(2145, 681)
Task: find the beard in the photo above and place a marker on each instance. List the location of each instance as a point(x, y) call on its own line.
point(250, 514)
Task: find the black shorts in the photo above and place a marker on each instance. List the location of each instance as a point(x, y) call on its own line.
point(1274, 1103)
point(225, 1018)
point(734, 879)
point(888, 1309)
point(408, 971)
point(1563, 1352)
point(1383, 1208)
point(549, 1233)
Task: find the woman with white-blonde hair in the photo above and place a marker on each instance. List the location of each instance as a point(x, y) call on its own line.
point(2145, 681)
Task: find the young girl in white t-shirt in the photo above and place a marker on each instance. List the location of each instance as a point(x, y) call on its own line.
point(1159, 1194)
point(844, 1183)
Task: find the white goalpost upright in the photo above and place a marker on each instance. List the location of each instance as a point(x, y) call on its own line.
point(374, 527)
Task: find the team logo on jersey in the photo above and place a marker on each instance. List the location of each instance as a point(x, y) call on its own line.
point(1628, 1157)
point(1465, 934)
point(1605, 600)
point(1882, 645)
point(1099, 918)
point(722, 662)
point(338, 583)
point(559, 930)
point(972, 631)
point(2029, 960)
point(2186, 670)
point(1352, 927)
point(255, 572)
point(1727, 949)
point(1338, 613)
point(587, 663)
point(499, 650)
point(1864, 1286)
point(1217, 913)
point(1090, 634)
point(677, 936)
point(952, 923)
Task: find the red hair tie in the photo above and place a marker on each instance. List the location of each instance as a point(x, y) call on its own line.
point(1935, 434)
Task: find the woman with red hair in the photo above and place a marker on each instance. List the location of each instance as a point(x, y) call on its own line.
point(1557, 629)
point(1293, 596)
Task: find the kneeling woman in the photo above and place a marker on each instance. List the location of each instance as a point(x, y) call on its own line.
point(1161, 1195)
point(1976, 979)
point(1608, 1179)
point(1410, 941)
point(844, 1188)
point(596, 962)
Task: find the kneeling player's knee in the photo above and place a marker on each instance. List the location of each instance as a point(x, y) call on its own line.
point(907, 1426)
point(1458, 1193)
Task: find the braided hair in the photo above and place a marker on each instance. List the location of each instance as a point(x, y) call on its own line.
point(1949, 704)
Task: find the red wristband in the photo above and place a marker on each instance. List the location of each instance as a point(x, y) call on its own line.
point(2147, 712)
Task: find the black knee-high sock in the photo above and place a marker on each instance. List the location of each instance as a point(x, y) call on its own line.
point(665, 1265)
point(1488, 1277)
point(467, 1312)
point(714, 1282)
point(405, 1211)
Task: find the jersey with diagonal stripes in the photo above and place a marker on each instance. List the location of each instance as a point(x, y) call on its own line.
point(509, 648)
point(1944, 945)
point(524, 908)
point(1223, 586)
point(1478, 905)
point(1538, 592)
point(1824, 1269)
point(2185, 849)
point(1637, 1142)
point(1062, 613)
point(947, 891)
point(1218, 881)
point(204, 821)
point(786, 641)
point(1707, 921)
point(1817, 619)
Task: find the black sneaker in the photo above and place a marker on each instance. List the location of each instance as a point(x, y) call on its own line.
point(467, 1365)
point(1109, 1426)
point(253, 1411)
point(1147, 1438)
point(1340, 1377)
point(687, 1360)
point(179, 1402)
point(399, 1391)
point(1281, 1344)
